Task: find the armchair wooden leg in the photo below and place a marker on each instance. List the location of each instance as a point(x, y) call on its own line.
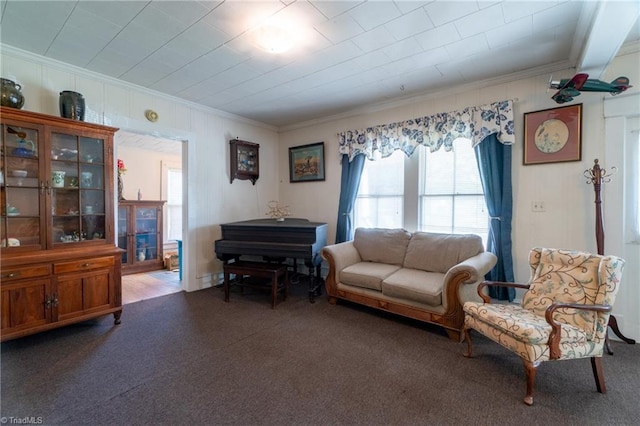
point(530, 371)
point(596, 366)
point(467, 336)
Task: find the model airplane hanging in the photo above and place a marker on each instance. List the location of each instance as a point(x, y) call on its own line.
point(570, 88)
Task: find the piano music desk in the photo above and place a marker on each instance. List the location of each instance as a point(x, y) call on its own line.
point(260, 270)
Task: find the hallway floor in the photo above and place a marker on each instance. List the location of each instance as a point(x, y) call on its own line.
point(136, 287)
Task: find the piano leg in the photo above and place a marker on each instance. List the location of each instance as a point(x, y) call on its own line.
point(315, 281)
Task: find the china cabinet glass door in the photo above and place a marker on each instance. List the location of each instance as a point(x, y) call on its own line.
point(21, 207)
point(77, 187)
point(123, 233)
point(146, 233)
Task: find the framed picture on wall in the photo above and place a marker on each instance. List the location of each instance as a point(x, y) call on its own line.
point(306, 163)
point(553, 135)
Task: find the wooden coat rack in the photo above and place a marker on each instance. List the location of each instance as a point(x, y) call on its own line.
point(597, 176)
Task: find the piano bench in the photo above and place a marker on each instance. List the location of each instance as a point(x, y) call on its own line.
point(261, 270)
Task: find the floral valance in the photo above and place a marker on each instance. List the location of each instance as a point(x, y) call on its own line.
point(435, 131)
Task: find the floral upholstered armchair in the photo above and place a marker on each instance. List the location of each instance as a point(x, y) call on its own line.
point(563, 315)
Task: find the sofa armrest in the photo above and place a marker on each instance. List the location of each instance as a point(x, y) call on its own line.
point(470, 272)
point(339, 256)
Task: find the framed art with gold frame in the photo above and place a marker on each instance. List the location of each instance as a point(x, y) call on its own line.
point(553, 135)
point(306, 163)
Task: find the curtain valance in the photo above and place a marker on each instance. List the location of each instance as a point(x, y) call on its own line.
point(435, 131)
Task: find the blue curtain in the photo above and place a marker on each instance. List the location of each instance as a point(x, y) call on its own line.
point(494, 163)
point(349, 183)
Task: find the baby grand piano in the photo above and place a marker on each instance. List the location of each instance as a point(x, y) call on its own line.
point(292, 238)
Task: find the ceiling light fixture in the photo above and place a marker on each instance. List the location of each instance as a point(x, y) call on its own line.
point(273, 39)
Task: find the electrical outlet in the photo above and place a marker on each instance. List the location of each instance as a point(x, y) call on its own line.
point(537, 206)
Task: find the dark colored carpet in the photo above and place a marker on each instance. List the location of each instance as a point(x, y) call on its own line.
point(190, 358)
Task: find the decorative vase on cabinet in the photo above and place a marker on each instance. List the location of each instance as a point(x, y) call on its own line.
point(11, 95)
point(59, 263)
point(72, 105)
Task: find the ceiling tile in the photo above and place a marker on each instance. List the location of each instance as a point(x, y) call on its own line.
point(467, 46)
point(340, 28)
point(185, 12)
point(374, 39)
point(481, 21)
point(514, 10)
point(373, 14)
point(511, 32)
point(119, 12)
point(236, 17)
point(340, 52)
point(437, 37)
point(410, 24)
point(563, 14)
point(407, 6)
point(111, 62)
point(441, 13)
point(331, 9)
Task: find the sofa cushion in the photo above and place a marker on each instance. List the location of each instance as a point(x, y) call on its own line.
point(382, 245)
point(367, 274)
point(439, 252)
point(416, 285)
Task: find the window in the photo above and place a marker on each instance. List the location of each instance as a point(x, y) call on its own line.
point(172, 174)
point(380, 200)
point(438, 192)
point(451, 194)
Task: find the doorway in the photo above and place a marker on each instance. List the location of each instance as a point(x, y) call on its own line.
point(153, 172)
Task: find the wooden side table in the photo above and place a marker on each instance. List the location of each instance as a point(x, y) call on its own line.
point(276, 272)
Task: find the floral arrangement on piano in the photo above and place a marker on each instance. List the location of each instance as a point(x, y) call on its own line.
point(277, 211)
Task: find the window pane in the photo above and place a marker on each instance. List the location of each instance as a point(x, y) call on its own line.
point(438, 168)
point(174, 204)
point(380, 201)
point(174, 219)
point(379, 212)
point(470, 216)
point(436, 213)
point(384, 176)
point(467, 177)
point(174, 190)
point(451, 194)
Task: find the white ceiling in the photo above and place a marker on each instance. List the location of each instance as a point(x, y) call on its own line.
point(348, 53)
point(148, 143)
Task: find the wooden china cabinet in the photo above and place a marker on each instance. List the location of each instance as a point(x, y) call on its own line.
point(59, 261)
point(140, 235)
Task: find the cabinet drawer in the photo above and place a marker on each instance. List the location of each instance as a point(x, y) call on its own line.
point(83, 265)
point(31, 271)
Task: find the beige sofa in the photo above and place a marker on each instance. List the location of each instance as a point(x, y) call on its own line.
point(425, 276)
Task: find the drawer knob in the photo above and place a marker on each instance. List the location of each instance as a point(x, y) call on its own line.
point(11, 275)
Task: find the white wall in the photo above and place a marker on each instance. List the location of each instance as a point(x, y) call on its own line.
point(144, 171)
point(569, 219)
point(211, 198)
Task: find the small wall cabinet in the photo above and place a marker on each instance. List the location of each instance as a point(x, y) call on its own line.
point(140, 235)
point(59, 264)
point(245, 162)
